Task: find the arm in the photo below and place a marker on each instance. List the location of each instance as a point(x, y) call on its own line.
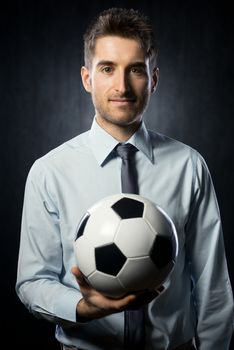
point(40, 265)
point(206, 254)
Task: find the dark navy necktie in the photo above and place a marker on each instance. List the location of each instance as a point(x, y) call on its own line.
point(128, 170)
point(134, 327)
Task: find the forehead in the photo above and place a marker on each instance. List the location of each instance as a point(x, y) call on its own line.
point(117, 49)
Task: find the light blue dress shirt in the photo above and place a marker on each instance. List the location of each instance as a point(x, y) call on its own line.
point(64, 183)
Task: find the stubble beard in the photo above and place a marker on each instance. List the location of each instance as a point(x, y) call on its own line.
point(134, 117)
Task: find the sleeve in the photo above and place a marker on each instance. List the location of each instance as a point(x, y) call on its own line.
point(206, 253)
point(40, 261)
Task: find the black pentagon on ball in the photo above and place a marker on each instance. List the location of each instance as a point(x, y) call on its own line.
point(128, 208)
point(162, 251)
point(109, 259)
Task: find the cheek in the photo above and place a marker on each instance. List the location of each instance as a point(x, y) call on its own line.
point(100, 84)
point(99, 92)
point(143, 89)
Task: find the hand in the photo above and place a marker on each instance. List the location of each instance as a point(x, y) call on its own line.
point(95, 305)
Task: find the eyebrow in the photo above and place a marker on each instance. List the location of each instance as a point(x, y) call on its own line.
point(111, 63)
point(105, 63)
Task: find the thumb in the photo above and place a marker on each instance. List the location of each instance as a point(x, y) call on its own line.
point(78, 275)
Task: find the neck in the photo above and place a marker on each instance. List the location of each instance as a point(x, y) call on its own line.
point(121, 133)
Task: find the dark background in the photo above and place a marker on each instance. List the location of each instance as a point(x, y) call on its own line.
point(42, 104)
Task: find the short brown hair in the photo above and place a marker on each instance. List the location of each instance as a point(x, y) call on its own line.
point(126, 23)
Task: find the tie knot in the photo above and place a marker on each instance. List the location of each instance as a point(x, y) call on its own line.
point(126, 150)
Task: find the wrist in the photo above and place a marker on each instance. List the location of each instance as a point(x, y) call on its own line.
point(81, 315)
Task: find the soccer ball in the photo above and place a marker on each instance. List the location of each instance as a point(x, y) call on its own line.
point(125, 243)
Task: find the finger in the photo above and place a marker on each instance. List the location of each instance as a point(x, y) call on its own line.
point(75, 271)
point(122, 303)
point(79, 276)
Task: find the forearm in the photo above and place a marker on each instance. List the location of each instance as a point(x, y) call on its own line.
point(49, 299)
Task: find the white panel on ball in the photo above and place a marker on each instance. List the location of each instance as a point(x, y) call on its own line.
point(134, 237)
point(84, 254)
point(107, 284)
point(138, 274)
point(106, 221)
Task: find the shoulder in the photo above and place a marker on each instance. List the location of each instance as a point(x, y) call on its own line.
point(78, 143)
point(162, 141)
point(176, 151)
point(61, 156)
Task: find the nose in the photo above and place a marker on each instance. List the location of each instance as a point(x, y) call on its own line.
point(122, 83)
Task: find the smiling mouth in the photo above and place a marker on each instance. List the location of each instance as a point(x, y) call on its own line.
point(122, 100)
point(122, 103)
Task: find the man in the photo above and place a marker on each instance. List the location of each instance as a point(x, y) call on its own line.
point(196, 307)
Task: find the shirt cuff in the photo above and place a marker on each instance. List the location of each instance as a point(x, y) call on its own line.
point(65, 306)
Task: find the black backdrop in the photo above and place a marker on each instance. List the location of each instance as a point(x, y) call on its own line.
point(42, 104)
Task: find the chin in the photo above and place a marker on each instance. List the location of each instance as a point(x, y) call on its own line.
point(125, 122)
point(123, 119)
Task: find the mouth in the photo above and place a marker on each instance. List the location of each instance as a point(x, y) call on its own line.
point(122, 101)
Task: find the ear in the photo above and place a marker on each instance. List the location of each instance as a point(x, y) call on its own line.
point(154, 79)
point(86, 79)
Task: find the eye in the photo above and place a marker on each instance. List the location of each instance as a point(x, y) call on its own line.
point(107, 69)
point(138, 70)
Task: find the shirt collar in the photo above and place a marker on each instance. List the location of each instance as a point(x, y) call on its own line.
point(102, 143)
point(142, 141)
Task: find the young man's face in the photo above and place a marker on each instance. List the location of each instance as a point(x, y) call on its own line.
point(120, 81)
